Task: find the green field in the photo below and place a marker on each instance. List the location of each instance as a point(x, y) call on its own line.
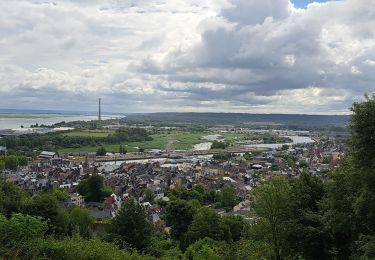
point(174, 140)
point(89, 133)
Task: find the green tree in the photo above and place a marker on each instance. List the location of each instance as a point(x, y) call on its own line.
point(131, 227)
point(253, 250)
point(17, 234)
point(2, 165)
point(303, 164)
point(163, 248)
point(179, 215)
point(272, 205)
point(46, 205)
point(229, 198)
point(92, 188)
point(349, 211)
point(207, 223)
point(204, 249)
point(12, 198)
point(81, 221)
point(22, 161)
point(11, 162)
point(236, 225)
point(101, 151)
point(122, 150)
point(307, 236)
point(78, 248)
point(148, 195)
point(362, 126)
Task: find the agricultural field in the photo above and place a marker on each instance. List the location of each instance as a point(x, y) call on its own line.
point(89, 133)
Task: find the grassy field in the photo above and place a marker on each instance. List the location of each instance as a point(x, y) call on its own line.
point(174, 140)
point(89, 133)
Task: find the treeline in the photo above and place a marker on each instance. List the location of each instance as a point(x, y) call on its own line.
point(219, 145)
point(55, 141)
point(275, 139)
point(12, 162)
point(39, 227)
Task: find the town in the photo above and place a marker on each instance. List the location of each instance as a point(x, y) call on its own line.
point(150, 176)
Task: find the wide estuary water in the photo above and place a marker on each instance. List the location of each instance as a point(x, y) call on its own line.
point(16, 120)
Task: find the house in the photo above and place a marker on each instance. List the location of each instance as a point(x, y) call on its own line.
point(243, 206)
point(48, 155)
point(76, 199)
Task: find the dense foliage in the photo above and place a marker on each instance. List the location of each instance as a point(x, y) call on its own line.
point(12, 162)
point(93, 189)
point(55, 141)
point(219, 145)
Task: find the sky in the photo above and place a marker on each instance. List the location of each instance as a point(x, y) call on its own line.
point(269, 56)
point(305, 3)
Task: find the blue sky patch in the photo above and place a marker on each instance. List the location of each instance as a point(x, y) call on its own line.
point(304, 3)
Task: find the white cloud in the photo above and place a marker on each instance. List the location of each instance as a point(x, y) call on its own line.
point(181, 55)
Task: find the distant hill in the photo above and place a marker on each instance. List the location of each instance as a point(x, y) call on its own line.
point(233, 118)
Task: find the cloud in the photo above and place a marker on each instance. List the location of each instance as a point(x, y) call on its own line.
point(179, 55)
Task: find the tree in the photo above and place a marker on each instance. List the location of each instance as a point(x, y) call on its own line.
point(207, 223)
point(303, 164)
point(22, 161)
point(206, 248)
point(339, 217)
point(148, 195)
point(12, 198)
point(11, 162)
point(92, 188)
point(229, 198)
point(46, 205)
point(101, 151)
point(306, 235)
point(236, 226)
point(349, 211)
point(179, 215)
point(122, 150)
point(81, 221)
point(362, 126)
point(131, 227)
point(253, 250)
point(78, 248)
point(17, 234)
point(219, 145)
point(163, 248)
point(272, 205)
